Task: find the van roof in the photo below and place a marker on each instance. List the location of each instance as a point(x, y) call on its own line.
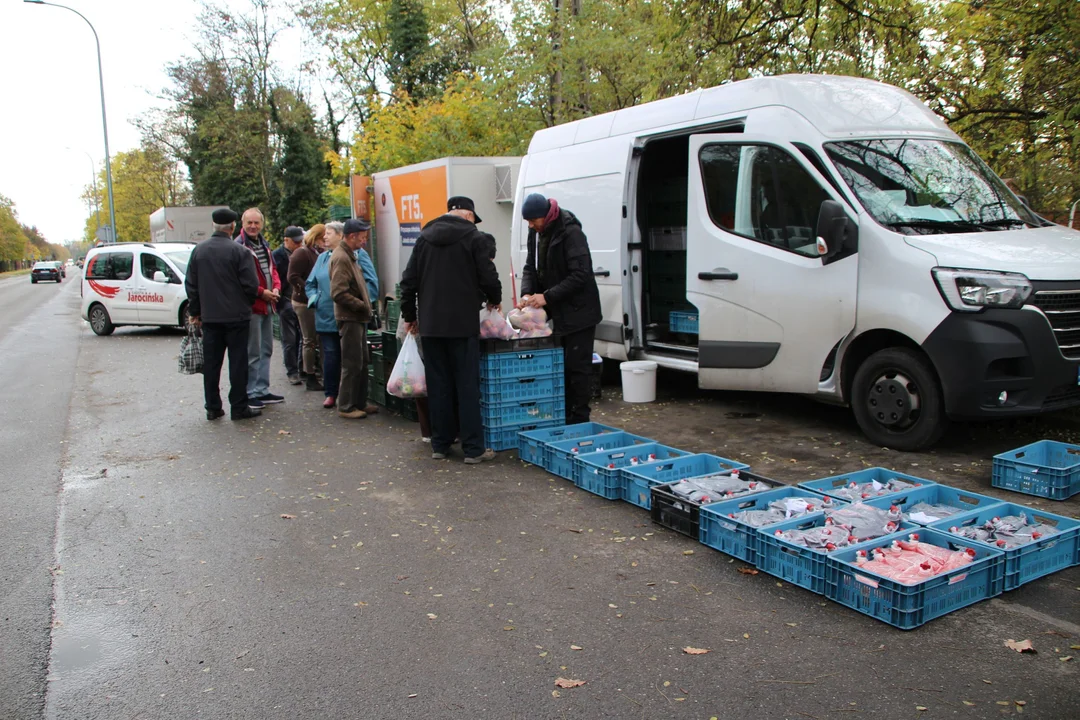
point(838, 106)
point(123, 245)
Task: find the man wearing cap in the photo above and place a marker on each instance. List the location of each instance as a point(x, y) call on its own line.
point(558, 276)
point(352, 310)
point(450, 266)
point(221, 286)
point(290, 325)
point(261, 335)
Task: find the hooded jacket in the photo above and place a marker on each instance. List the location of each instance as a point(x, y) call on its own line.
point(261, 307)
point(449, 270)
point(317, 289)
point(567, 280)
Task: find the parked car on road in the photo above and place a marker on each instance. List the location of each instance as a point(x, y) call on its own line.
point(45, 270)
point(135, 284)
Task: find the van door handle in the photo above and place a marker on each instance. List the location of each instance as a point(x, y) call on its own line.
point(602, 273)
point(718, 274)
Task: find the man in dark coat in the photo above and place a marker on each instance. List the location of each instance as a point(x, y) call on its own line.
point(449, 268)
point(221, 287)
point(558, 276)
point(290, 325)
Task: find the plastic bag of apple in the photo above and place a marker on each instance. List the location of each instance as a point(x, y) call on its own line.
point(494, 326)
point(408, 379)
point(530, 322)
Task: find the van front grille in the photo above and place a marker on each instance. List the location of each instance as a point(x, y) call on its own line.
point(1062, 309)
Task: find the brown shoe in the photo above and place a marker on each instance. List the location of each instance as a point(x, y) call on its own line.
point(352, 414)
point(372, 409)
point(488, 454)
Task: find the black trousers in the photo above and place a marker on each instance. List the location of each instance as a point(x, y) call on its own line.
point(452, 366)
point(217, 339)
point(577, 358)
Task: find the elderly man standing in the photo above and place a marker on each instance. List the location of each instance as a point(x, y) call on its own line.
point(352, 310)
point(449, 268)
point(261, 334)
point(221, 286)
point(290, 325)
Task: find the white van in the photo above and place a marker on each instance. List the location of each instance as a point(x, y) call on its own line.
point(828, 236)
point(135, 284)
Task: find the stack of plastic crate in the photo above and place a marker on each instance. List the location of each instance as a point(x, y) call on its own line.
point(521, 388)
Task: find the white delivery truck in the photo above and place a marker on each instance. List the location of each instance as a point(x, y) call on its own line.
point(407, 198)
point(182, 224)
point(821, 235)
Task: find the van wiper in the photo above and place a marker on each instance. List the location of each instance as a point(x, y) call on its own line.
point(1003, 222)
point(943, 226)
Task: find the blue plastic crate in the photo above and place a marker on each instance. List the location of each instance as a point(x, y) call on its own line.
point(909, 606)
point(827, 486)
point(522, 363)
point(522, 388)
point(797, 564)
point(737, 538)
point(683, 322)
point(601, 472)
point(564, 453)
point(934, 494)
point(507, 437)
point(1034, 560)
point(523, 412)
point(640, 480)
point(534, 447)
point(1046, 469)
point(684, 516)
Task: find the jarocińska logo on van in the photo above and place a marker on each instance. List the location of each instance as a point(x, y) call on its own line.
point(145, 297)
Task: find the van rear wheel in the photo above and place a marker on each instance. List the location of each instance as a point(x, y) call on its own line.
point(897, 400)
point(100, 322)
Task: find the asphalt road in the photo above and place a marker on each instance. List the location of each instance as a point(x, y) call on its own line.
point(154, 544)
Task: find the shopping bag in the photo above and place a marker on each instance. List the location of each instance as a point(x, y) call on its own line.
point(530, 322)
point(191, 352)
point(407, 379)
point(493, 326)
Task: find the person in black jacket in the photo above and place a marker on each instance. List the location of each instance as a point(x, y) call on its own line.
point(221, 286)
point(449, 267)
point(290, 325)
point(558, 276)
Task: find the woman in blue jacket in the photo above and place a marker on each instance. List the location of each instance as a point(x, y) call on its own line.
point(317, 289)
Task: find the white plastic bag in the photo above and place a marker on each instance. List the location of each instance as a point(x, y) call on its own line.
point(407, 379)
point(493, 326)
point(530, 322)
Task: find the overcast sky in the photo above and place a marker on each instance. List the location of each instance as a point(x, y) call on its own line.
point(50, 82)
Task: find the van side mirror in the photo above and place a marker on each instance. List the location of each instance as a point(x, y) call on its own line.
point(160, 277)
point(835, 230)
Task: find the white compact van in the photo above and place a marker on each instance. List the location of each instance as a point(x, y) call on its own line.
point(827, 236)
point(135, 284)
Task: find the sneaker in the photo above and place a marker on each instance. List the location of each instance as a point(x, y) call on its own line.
point(329, 403)
point(312, 383)
point(372, 409)
point(272, 399)
point(438, 456)
point(246, 413)
point(489, 454)
point(256, 403)
point(215, 414)
point(352, 414)
point(295, 380)
point(425, 439)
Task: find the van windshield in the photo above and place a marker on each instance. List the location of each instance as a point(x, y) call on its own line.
point(179, 259)
point(920, 187)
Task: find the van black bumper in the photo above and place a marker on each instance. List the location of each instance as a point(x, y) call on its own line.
point(979, 355)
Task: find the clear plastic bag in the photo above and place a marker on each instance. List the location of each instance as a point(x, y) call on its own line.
point(530, 322)
point(864, 522)
point(494, 326)
point(408, 379)
point(1006, 532)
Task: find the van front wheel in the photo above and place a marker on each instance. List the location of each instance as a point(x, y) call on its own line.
point(897, 400)
point(100, 322)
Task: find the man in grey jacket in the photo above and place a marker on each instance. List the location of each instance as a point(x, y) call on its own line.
point(221, 286)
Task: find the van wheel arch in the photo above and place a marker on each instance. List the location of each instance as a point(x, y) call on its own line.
point(866, 345)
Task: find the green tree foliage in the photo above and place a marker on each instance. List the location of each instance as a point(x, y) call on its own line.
point(21, 244)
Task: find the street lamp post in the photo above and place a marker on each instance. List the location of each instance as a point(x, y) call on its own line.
point(104, 124)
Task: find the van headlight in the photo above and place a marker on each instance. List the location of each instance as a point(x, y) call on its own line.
point(975, 290)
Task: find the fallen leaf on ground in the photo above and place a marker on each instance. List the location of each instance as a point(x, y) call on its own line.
point(431, 616)
point(575, 647)
point(1021, 703)
point(1024, 646)
point(286, 516)
point(920, 708)
point(284, 432)
point(968, 703)
point(749, 571)
point(412, 695)
point(746, 635)
point(688, 552)
point(567, 683)
point(1067, 658)
point(694, 651)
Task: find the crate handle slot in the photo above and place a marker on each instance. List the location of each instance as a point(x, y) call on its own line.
point(525, 381)
point(969, 499)
point(1020, 455)
point(792, 551)
point(867, 581)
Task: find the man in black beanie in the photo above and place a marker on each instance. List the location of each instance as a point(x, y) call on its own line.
point(558, 276)
point(221, 286)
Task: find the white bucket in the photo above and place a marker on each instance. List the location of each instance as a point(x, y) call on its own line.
point(638, 381)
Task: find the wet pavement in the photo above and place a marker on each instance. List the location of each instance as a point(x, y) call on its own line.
point(402, 587)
